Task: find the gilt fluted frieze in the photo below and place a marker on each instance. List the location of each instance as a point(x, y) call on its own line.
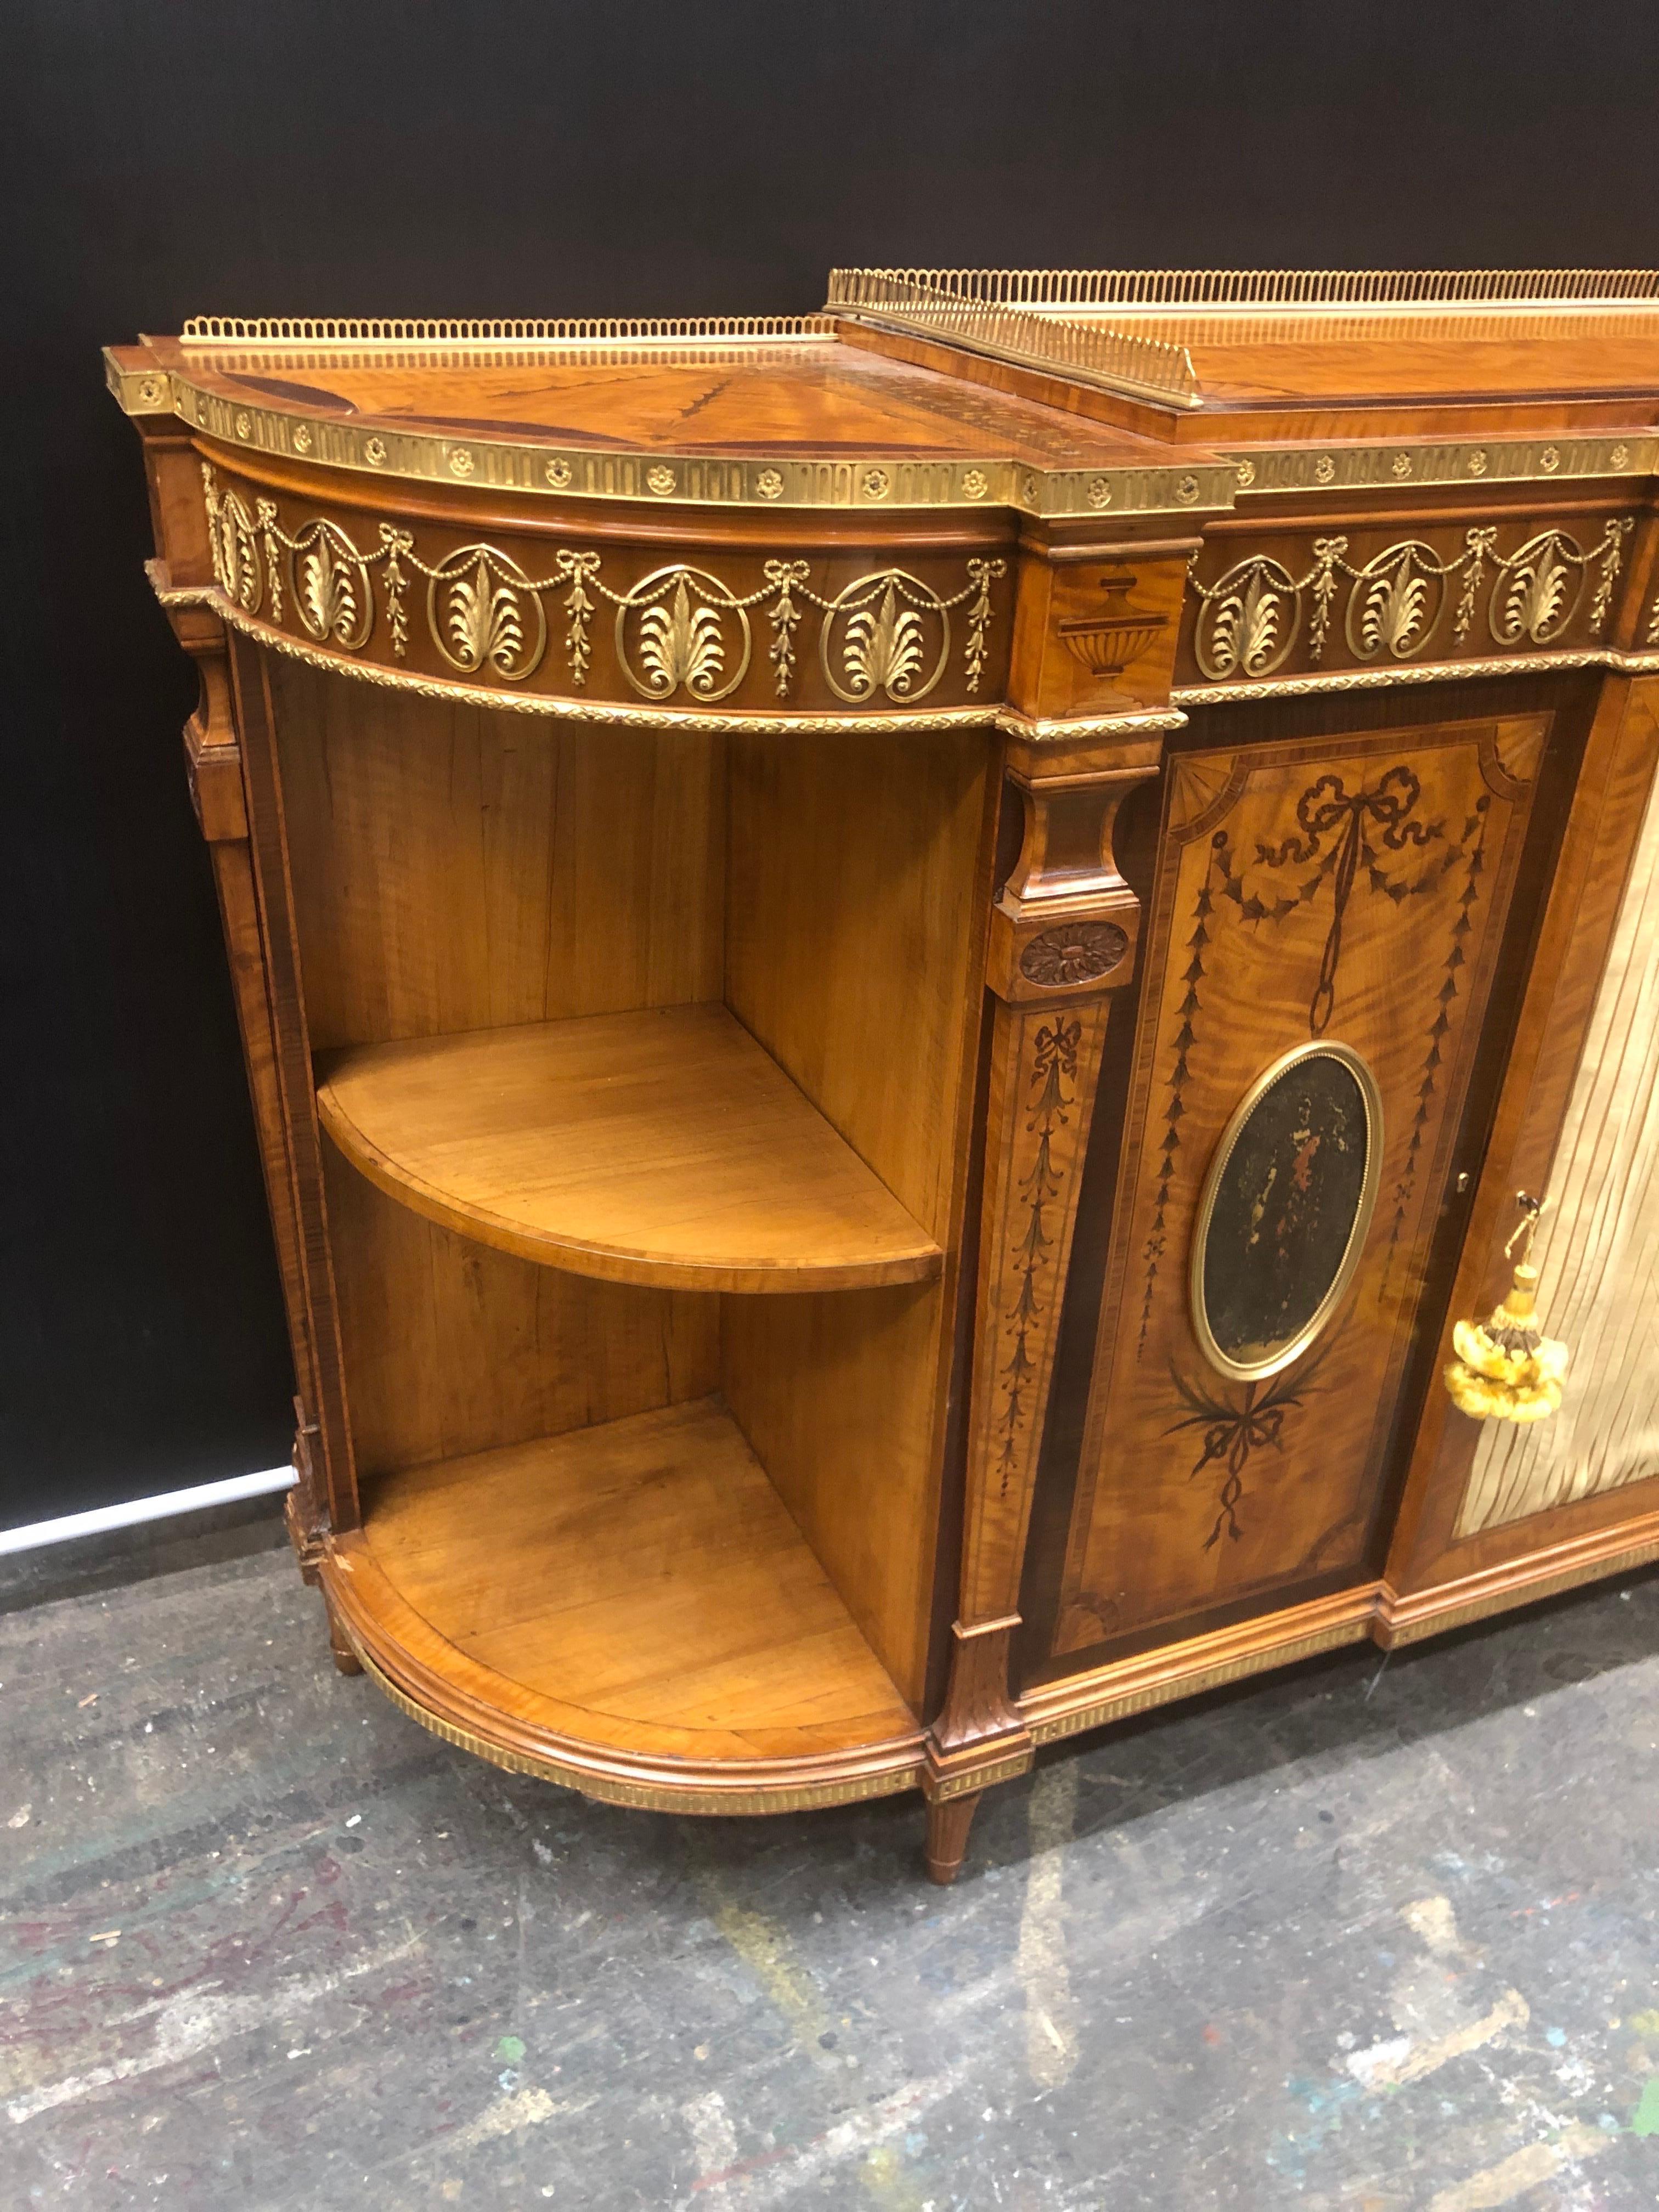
point(679, 636)
point(1409, 602)
point(567, 629)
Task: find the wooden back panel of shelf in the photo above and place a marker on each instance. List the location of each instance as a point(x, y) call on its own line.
point(456, 869)
point(859, 888)
point(452, 1348)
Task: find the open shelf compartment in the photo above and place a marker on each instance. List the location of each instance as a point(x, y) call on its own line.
point(614, 1031)
point(629, 1608)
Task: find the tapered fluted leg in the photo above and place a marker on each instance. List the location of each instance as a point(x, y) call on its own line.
point(949, 1819)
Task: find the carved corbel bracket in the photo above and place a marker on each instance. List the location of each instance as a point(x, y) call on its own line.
point(980, 1738)
point(1065, 924)
point(213, 760)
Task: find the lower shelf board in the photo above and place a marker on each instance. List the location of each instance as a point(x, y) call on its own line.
point(628, 1608)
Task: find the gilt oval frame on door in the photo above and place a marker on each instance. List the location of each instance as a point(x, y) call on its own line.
point(1340, 1100)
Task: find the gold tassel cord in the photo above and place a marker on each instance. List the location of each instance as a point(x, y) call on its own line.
point(1506, 1368)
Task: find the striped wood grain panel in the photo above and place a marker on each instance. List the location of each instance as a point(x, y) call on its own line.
point(1597, 1248)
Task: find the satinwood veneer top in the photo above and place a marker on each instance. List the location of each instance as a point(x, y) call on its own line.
point(797, 419)
point(1082, 394)
point(808, 395)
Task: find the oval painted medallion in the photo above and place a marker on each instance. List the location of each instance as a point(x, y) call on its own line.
point(1285, 1207)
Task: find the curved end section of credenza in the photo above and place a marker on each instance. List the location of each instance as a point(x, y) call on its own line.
point(602, 1665)
point(590, 1769)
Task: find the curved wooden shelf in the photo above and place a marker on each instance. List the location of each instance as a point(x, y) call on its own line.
point(629, 1610)
point(664, 1147)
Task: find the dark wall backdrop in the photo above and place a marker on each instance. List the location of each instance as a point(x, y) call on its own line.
point(545, 157)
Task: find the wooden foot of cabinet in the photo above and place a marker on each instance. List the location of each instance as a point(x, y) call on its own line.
point(345, 1659)
point(949, 1819)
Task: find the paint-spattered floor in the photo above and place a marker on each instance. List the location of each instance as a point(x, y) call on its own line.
point(1364, 1936)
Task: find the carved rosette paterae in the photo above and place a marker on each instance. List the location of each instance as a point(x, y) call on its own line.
point(1063, 936)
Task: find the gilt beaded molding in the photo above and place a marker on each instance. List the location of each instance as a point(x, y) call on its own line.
point(1185, 695)
point(589, 1775)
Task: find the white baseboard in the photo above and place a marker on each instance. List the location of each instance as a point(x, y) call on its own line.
point(102, 1518)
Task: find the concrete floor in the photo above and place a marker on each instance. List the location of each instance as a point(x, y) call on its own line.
point(1359, 1936)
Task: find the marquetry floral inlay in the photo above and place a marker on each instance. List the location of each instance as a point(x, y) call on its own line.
point(1249, 619)
point(1047, 1159)
point(680, 631)
point(1230, 1433)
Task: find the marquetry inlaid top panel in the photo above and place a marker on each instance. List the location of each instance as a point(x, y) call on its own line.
point(803, 422)
point(808, 396)
point(1207, 344)
point(1354, 360)
point(1055, 393)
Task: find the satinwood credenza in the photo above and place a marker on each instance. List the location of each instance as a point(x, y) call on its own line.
point(898, 969)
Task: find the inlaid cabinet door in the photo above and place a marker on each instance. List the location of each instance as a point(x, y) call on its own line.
point(1493, 1509)
point(1325, 922)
